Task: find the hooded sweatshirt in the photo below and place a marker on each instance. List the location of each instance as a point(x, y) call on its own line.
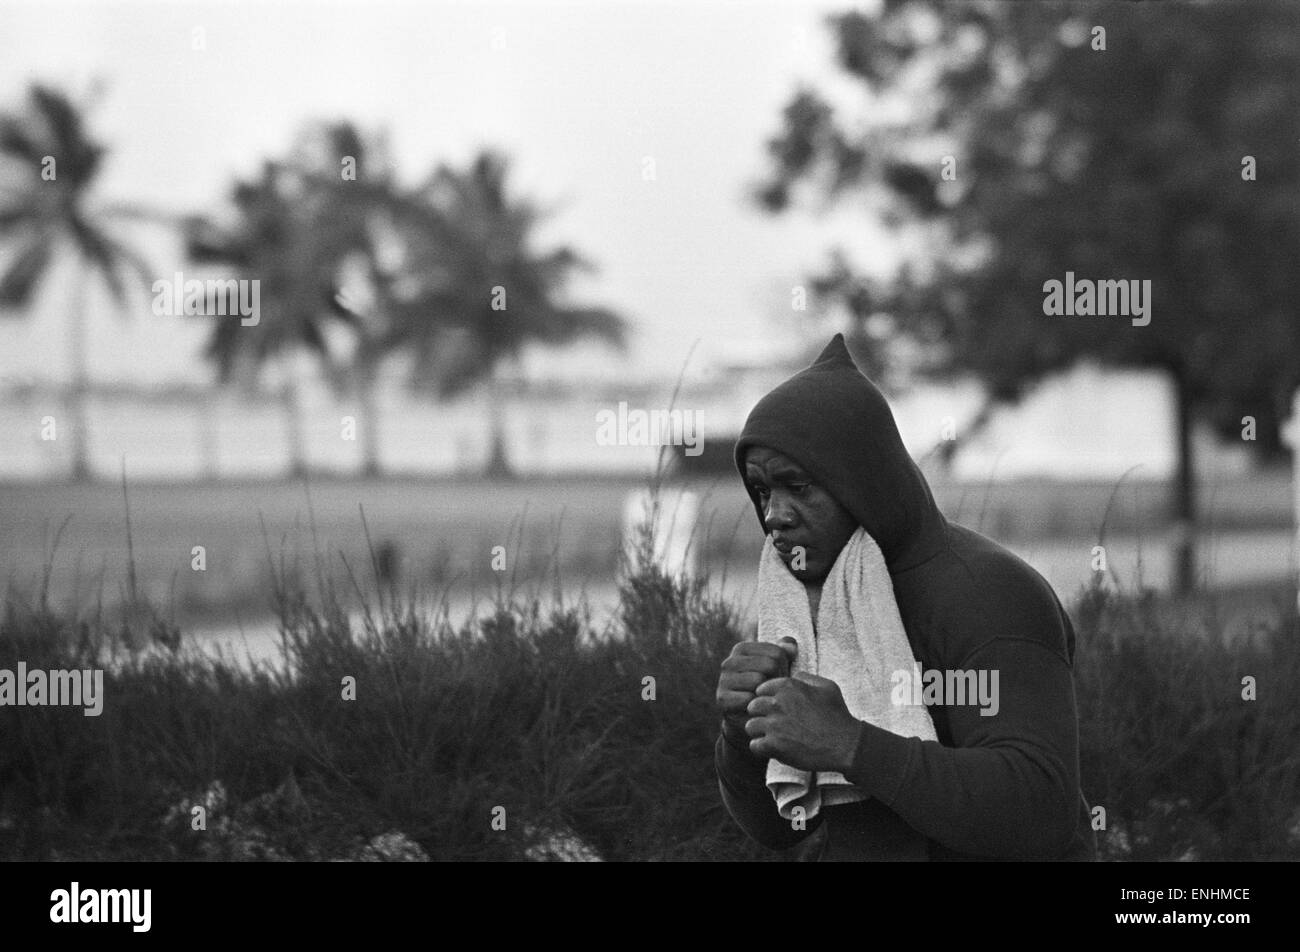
point(1000, 786)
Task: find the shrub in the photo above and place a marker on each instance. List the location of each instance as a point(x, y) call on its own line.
point(524, 708)
point(1185, 767)
point(530, 709)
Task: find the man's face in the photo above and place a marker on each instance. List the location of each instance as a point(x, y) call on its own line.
point(798, 512)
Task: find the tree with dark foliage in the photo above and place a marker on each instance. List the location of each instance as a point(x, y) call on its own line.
point(1117, 141)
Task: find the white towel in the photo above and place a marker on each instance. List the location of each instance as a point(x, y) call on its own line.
point(860, 642)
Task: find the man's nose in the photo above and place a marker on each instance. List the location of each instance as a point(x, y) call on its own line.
point(779, 514)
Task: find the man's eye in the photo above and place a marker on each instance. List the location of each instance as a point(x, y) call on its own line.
point(797, 488)
point(760, 490)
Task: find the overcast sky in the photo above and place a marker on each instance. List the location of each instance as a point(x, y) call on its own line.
point(579, 94)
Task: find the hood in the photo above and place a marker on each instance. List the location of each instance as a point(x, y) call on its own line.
point(835, 423)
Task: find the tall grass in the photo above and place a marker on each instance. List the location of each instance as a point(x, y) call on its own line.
point(526, 708)
point(1184, 764)
point(530, 709)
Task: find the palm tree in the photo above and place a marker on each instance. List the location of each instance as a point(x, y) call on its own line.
point(481, 293)
point(360, 208)
point(293, 230)
point(263, 244)
point(49, 167)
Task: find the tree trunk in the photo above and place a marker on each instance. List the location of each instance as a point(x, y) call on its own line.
point(293, 422)
point(498, 465)
point(79, 389)
point(370, 467)
point(1185, 491)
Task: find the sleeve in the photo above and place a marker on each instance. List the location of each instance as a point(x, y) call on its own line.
point(1008, 787)
point(741, 780)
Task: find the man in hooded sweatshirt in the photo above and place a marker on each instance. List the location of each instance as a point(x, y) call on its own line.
point(821, 456)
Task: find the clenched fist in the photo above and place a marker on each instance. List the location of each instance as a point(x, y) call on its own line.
point(749, 665)
point(804, 722)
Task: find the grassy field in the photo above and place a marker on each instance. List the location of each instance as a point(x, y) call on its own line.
point(436, 533)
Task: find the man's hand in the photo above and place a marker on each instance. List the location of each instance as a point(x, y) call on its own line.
point(804, 722)
point(749, 665)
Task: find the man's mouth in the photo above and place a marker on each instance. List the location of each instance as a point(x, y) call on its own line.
point(784, 546)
